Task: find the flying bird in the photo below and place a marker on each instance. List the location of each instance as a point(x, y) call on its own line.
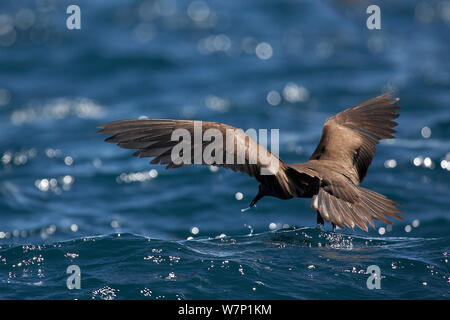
point(331, 177)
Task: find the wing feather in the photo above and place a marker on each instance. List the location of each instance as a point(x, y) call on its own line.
point(153, 138)
point(369, 206)
point(351, 136)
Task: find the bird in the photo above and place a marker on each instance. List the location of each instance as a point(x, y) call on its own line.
point(331, 177)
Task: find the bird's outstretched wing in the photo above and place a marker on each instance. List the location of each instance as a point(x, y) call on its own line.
point(342, 158)
point(235, 150)
point(351, 136)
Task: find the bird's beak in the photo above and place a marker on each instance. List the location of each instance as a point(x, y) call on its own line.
point(256, 199)
point(252, 204)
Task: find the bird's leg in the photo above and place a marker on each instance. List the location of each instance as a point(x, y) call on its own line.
point(320, 221)
point(334, 226)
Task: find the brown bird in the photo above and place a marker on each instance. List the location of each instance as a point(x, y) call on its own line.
point(331, 176)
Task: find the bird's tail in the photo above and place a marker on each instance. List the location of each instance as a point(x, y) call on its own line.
point(365, 206)
point(376, 206)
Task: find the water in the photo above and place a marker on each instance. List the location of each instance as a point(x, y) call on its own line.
point(68, 198)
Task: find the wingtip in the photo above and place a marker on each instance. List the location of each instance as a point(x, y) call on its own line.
point(389, 95)
point(393, 98)
point(101, 128)
point(362, 227)
point(385, 95)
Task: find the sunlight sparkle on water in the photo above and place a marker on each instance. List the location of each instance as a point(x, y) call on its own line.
point(198, 11)
point(68, 160)
point(137, 176)
point(426, 132)
point(418, 161)
point(213, 168)
point(392, 163)
point(264, 51)
point(273, 98)
point(428, 163)
point(294, 93)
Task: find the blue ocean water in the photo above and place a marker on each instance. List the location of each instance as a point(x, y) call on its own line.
point(142, 232)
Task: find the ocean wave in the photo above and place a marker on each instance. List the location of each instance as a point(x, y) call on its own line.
point(275, 264)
